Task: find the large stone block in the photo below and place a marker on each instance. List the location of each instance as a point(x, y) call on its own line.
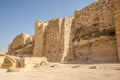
point(22, 45)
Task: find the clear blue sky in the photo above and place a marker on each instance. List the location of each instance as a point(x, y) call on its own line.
point(17, 16)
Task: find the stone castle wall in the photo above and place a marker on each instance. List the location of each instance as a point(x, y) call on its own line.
point(39, 38)
point(1, 60)
point(68, 53)
point(90, 25)
point(92, 34)
point(53, 40)
point(116, 4)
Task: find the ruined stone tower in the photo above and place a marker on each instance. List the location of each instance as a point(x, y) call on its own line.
point(53, 39)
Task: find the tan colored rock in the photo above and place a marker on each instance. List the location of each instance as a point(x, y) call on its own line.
point(22, 45)
point(101, 50)
point(12, 62)
point(53, 39)
point(35, 61)
point(13, 70)
point(91, 35)
point(2, 57)
point(68, 46)
point(89, 25)
point(116, 4)
point(39, 38)
point(20, 41)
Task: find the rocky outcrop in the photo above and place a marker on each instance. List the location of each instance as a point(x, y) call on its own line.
point(98, 50)
point(22, 45)
point(39, 38)
point(94, 33)
point(35, 61)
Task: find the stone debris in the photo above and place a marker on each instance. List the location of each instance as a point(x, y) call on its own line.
point(93, 67)
point(13, 70)
point(54, 65)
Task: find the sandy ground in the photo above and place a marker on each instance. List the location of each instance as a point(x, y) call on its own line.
point(65, 72)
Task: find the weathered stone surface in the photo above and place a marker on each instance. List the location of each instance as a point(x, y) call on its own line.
point(20, 41)
point(94, 33)
point(35, 61)
point(53, 39)
point(12, 62)
point(91, 35)
point(68, 45)
point(101, 50)
point(39, 38)
point(116, 4)
point(2, 57)
point(22, 45)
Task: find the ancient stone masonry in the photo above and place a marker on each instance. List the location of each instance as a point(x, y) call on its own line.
point(12, 62)
point(94, 28)
point(39, 38)
point(22, 45)
point(2, 57)
point(91, 35)
point(116, 4)
point(52, 39)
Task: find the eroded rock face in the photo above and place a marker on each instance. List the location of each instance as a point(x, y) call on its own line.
point(91, 35)
point(12, 62)
point(2, 57)
point(22, 45)
point(116, 4)
point(39, 38)
point(102, 49)
point(94, 33)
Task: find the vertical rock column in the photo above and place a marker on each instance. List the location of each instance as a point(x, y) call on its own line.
point(116, 4)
